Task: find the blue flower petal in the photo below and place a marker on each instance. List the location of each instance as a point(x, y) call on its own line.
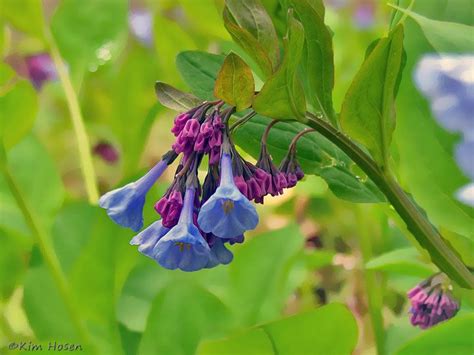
point(219, 254)
point(465, 157)
point(466, 194)
point(125, 206)
point(147, 239)
point(227, 213)
point(183, 248)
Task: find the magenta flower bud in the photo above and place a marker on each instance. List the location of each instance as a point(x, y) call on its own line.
point(169, 207)
point(432, 302)
point(215, 155)
point(255, 190)
point(179, 123)
point(241, 185)
point(106, 151)
point(291, 179)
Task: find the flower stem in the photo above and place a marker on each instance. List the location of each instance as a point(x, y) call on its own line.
point(426, 234)
point(43, 240)
point(85, 156)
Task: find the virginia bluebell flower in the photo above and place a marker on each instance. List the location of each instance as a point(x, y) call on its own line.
point(219, 253)
point(432, 302)
point(448, 82)
point(125, 205)
point(227, 213)
point(147, 238)
point(141, 25)
point(183, 247)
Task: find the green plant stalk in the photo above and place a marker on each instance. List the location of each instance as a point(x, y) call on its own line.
point(85, 157)
point(49, 256)
point(374, 291)
point(426, 234)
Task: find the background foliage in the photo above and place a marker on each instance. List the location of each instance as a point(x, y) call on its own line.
point(320, 275)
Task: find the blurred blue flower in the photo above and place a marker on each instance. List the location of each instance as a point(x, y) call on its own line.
point(141, 25)
point(227, 213)
point(447, 80)
point(364, 15)
point(147, 238)
point(183, 247)
point(125, 205)
point(219, 254)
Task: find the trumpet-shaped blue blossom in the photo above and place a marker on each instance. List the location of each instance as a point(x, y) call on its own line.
point(183, 247)
point(125, 205)
point(219, 254)
point(227, 213)
point(147, 238)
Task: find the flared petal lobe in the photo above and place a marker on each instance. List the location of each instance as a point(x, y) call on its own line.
point(147, 239)
point(227, 213)
point(125, 205)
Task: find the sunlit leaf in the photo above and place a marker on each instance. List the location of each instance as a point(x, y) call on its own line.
point(334, 325)
point(282, 95)
point(444, 36)
point(185, 313)
point(368, 113)
point(18, 107)
point(452, 337)
point(251, 27)
point(173, 98)
point(234, 83)
point(318, 56)
point(25, 15)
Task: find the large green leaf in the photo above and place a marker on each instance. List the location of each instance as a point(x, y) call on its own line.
point(39, 182)
point(282, 95)
point(185, 313)
point(251, 27)
point(234, 83)
point(83, 27)
point(444, 36)
point(318, 61)
point(12, 265)
point(96, 258)
point(405, 261)
point(272, 254)
point(199, 70)
point(329, 330)
point(368, 112)
point(453, 337)
point(316, 154)
point(426, 164)
point(18, 107)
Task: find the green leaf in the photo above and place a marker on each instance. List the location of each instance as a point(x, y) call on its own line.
point(12, 265)
point(82, 27)
point(234, 84)
point(185, 313)
point(336, 329)
point(25, 15)
point(425, 163)
point(453, 337)
point(272, 254)
point(173, 98)
point(368, 113)
point(18, 107)
point(317, 61)
point(40, 182)
point(251, 27)
point(404, 261)
point(315, 153)
point(282, 95)
point(96, 258)
point(199, 71)
point(445, 37)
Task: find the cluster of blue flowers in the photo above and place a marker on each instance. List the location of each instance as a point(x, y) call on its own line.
point(448, 82)
point(198, 222)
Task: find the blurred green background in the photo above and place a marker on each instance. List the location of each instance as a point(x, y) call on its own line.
point(340, 270)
